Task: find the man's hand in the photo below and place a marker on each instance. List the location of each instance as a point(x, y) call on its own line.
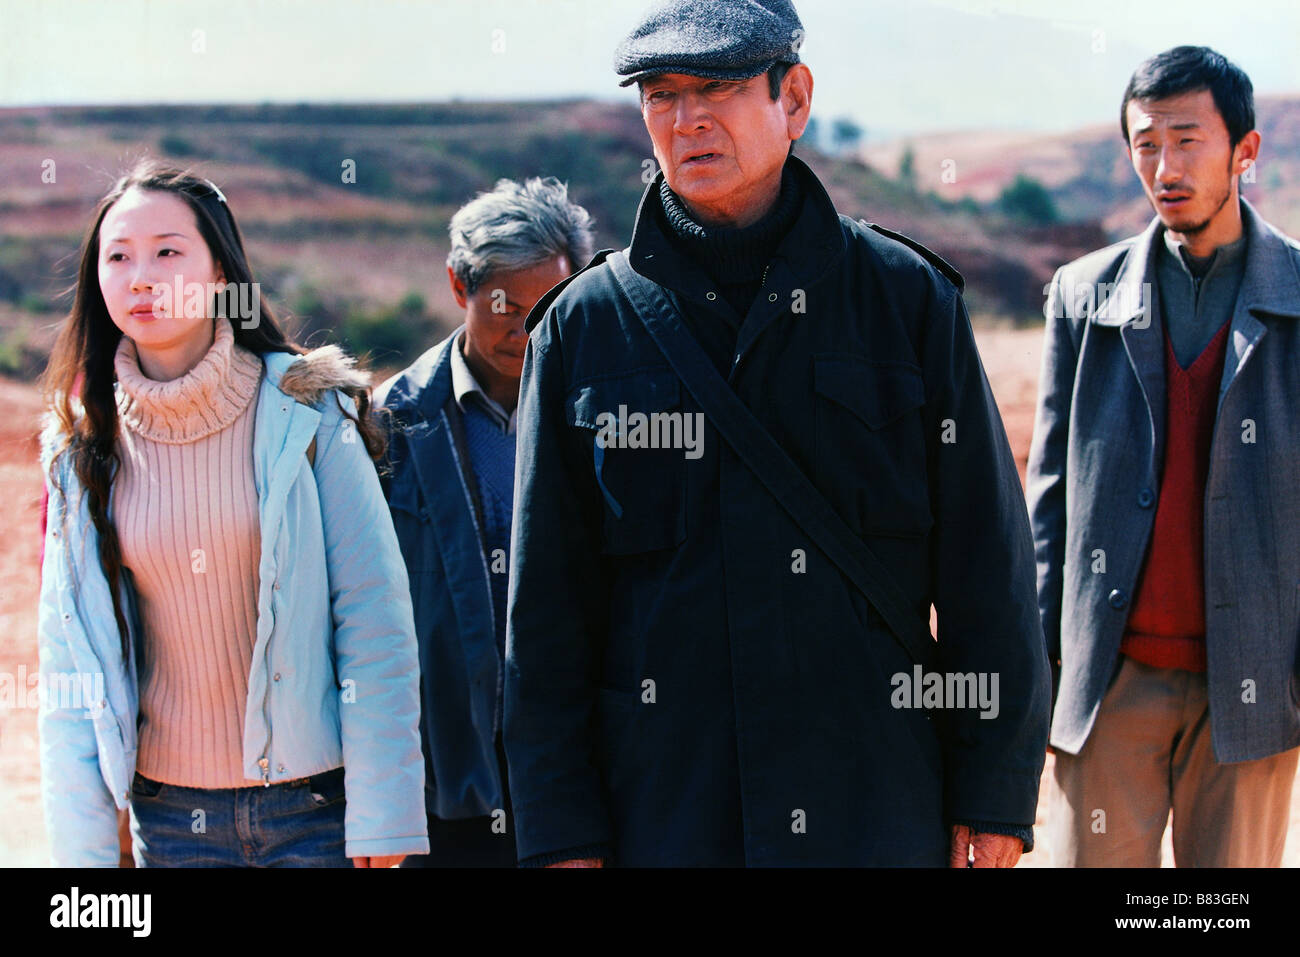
point(991, 850)
point(389, 860)
point(580, 862)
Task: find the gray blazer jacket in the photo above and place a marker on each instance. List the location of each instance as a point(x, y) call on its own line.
point(1094, 475)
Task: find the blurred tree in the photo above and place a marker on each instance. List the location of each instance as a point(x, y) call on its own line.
point(394, 333)
point(812, 134)
point(907, 169)
point(1027, 200)
point(174, 145)
point(845, 134)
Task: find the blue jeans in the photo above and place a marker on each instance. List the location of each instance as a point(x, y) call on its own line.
point(295, 824)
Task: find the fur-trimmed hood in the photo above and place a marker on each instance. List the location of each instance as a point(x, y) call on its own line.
point(309, 376)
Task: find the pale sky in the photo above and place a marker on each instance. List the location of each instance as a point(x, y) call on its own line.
point(896, 66)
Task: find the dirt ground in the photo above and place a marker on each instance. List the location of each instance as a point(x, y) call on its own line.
point(22, 831)
point(1010, 358)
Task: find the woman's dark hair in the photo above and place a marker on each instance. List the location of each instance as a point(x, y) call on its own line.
point(1188, 69)
point(79, 380)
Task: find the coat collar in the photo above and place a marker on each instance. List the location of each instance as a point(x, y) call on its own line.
point(811, 247)
point(422, 388)
point(1270, 285)
point(283, 429)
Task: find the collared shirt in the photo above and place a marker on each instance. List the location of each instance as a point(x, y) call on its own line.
point(464, 384)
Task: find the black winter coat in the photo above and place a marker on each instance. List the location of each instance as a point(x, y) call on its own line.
point(689, 681)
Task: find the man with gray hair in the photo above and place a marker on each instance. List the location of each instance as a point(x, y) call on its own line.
point(450, 487)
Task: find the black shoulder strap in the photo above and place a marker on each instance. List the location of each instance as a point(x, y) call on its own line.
point(933, 258)
point(765, 457)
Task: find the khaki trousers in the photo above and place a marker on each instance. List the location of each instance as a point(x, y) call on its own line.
point(1150, 752)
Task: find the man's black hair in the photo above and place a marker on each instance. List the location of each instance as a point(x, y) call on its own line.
point(1189, 69)
point(775, 76)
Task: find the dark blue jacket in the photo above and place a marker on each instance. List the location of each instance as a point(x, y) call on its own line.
point(428, 489)
point(678, 692)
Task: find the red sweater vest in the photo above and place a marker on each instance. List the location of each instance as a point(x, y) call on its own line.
point(1166, 627)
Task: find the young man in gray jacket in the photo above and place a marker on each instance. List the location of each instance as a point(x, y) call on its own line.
point(1162, 489)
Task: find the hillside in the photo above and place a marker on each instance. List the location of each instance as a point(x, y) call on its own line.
point(365, 262)
point(1087, 171)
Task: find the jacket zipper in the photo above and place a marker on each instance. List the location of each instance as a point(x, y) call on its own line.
point(265, 761)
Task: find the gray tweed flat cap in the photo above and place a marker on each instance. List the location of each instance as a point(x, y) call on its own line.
point(719, 39)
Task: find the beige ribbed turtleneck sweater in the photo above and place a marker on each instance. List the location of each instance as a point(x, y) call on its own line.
point(185, 507)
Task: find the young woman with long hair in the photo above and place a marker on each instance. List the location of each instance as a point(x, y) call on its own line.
point(226, 637)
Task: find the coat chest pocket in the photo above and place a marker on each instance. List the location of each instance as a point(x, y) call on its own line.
point(634, 424)
point(870, 443)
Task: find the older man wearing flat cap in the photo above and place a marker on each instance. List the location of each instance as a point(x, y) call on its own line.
point(755, 447)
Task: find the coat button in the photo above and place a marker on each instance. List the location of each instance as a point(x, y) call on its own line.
point(1146, 498)
point(710, 296)
point(279, 768)
point(277, 676)
point(1118, 598)
point(771, 297)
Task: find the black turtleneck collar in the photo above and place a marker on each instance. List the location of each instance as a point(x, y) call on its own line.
point(728, 254)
